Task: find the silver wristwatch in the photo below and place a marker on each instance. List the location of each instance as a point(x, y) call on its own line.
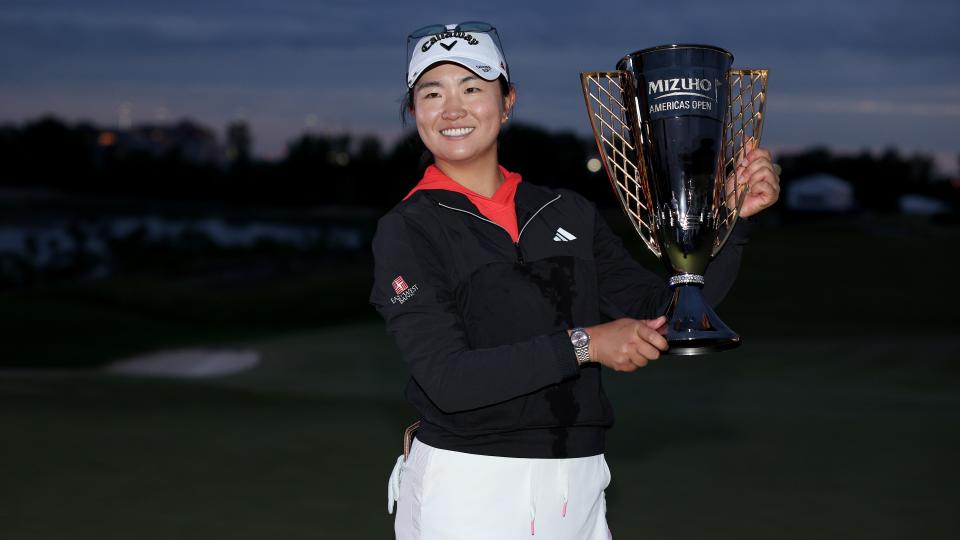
point(581, 344)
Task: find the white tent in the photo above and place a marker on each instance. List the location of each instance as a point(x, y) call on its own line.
point(922, 205)
point(820, 193)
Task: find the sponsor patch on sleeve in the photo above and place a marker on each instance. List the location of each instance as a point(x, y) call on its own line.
point(404, 291)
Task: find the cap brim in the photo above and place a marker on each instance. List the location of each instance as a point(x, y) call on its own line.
point(480, 68)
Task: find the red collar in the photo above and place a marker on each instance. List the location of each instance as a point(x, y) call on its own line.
point(433, 178)
point(500, 209)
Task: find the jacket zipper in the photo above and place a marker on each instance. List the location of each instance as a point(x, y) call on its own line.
point(519, 234)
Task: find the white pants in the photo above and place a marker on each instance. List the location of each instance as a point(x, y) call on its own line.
point(446, 495)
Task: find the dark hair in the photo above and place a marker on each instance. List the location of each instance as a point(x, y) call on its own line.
point(406, 102)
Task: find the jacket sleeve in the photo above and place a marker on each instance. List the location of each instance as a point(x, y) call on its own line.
point(631, 290)
point(424, 322)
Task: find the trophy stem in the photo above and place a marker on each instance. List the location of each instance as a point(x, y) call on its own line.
point(693, 327)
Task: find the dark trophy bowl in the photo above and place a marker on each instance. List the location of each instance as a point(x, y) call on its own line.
point(671, 123)
point(681, 97)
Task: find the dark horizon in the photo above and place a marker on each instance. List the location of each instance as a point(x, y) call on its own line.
point(186, 160)
point(946, 164)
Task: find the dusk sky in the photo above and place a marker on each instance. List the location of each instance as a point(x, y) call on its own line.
point(842, 73)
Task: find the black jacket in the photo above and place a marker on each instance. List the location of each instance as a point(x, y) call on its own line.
point(482, 322)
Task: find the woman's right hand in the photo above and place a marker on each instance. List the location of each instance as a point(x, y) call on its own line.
point(627, 344)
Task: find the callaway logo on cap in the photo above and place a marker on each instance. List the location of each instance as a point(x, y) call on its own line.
point(475, 51)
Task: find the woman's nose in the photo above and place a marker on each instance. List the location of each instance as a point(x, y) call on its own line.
point(453, 109)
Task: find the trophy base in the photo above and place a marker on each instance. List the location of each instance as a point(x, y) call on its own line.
point(700, 346)
point(693, 327)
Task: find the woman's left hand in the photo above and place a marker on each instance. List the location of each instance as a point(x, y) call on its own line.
point(755, 170)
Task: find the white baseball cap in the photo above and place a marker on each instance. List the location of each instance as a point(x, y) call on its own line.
point(474, 46)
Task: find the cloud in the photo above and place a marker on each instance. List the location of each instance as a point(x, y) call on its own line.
point(344, 60)
point(131, 34)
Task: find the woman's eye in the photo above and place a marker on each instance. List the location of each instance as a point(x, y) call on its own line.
point(431, 95)
point(472, 90)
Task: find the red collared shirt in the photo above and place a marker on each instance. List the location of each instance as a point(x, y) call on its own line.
point(499, 209)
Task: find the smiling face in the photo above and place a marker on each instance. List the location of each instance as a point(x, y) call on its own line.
point(459, 114)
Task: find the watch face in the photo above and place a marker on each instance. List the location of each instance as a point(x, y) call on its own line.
point(579, 338)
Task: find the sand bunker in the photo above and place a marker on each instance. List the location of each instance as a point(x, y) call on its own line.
point(188, 363)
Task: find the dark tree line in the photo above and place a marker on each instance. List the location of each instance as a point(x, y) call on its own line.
point(184, 161)
point(340, 170)
point(176, 163)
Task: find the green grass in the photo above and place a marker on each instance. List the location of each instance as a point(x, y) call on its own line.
point(113, 459)
point(822, 279)
point(90, 324)
point(846, 438)
point(841, 278)
point(837, 417)
point(783, 438)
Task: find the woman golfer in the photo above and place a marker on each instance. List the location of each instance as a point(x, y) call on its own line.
point(482, 280)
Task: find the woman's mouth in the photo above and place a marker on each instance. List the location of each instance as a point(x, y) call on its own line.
point(456, 132)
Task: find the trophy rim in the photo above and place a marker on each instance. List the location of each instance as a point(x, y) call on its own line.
point(678, 46)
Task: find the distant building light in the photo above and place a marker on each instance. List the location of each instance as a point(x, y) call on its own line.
point(593, 165)
point(107, 138)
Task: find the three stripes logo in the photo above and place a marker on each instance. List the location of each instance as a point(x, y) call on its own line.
point(563, 235)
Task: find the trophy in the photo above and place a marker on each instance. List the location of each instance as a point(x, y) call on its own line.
point(671, 124)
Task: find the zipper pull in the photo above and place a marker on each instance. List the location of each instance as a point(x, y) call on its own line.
point(519, 253)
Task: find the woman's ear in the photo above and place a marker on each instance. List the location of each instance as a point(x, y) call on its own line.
point(508, 101)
